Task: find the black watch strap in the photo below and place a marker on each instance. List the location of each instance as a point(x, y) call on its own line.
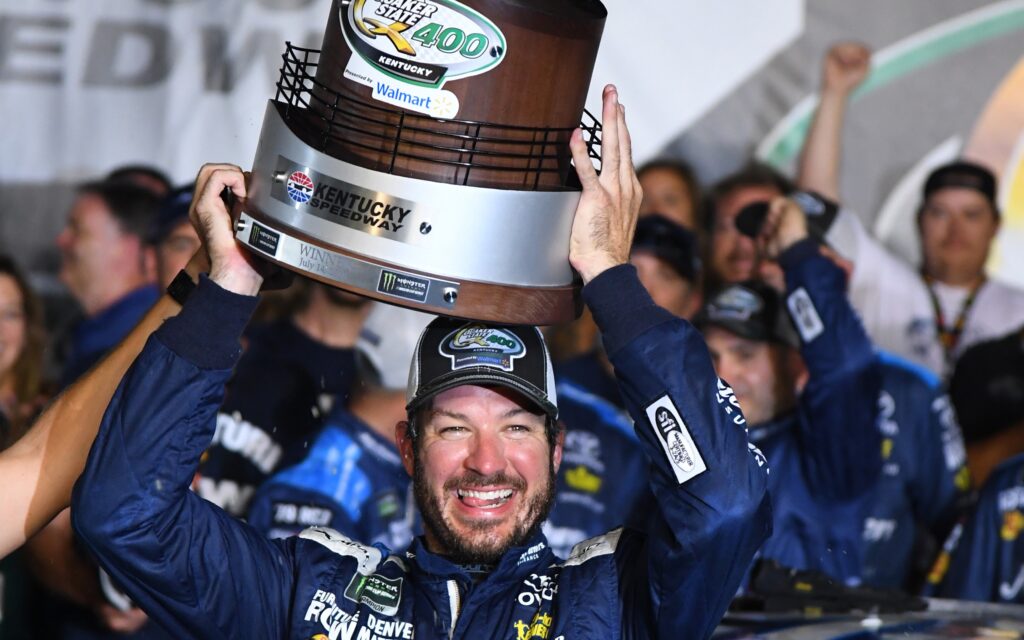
point(181, 287)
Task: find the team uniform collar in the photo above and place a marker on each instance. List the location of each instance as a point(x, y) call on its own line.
point(517, 563)
point(772, 428)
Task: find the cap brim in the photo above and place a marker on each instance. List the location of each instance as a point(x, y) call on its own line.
point(484, 377)
point(742, 329)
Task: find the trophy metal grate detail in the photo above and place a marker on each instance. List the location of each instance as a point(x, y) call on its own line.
point(356, 122)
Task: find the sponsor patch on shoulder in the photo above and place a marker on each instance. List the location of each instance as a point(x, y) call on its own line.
point(367, 557)
point(601, 545)
point(675, 439)
point(805, 316)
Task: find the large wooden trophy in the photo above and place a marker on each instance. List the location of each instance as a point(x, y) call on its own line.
point(421, 157)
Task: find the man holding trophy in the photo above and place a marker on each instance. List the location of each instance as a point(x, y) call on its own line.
point(482, 446)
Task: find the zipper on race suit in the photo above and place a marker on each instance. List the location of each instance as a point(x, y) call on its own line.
point(454, 604)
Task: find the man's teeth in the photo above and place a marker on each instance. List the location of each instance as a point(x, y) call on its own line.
point(499, 494)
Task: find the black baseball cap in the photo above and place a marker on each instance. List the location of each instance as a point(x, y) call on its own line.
point(452, 353)
point(987, 387)
point(751, 310)
point(670, 242)
point(173, 211)
point(964, 175)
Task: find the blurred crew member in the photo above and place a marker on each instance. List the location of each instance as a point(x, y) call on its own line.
point(292, 371)
point(925, 482)
point(983, 559)
point(670, 189)
point(105, 263)
point(808, 383)
point(21, 364)
point(931, 314)
point(732, 256)
point(173, 238)
point(107, 266)
point(352, 478)
point(22, 340)
point(665, 255)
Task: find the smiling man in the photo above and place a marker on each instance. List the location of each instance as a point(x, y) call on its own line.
point(482, 449)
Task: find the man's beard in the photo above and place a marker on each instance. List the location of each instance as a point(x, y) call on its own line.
point(463, 551)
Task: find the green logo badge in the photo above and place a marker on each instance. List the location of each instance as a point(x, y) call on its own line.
point(377, 592)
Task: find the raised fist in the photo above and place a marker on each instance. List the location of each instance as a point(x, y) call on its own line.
point(845, 66)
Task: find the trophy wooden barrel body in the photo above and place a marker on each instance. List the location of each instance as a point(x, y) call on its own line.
point(421, 157)
point(536, 91)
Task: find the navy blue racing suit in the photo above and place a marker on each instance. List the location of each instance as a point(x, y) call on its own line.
point(924, 478)
point(271, 406)
point(202, 573)
point(983, 558)
point(352, 480)
point(825, 456)
point(602, 483)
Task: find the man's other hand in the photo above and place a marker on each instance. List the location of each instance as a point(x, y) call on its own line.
point(231, 266)
point(602, 231)
point(845, 67)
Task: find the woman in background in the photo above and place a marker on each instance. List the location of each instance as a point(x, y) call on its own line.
point(21, 363)
point(21, 353)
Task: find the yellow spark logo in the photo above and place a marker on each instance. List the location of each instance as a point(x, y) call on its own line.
point(373, 28)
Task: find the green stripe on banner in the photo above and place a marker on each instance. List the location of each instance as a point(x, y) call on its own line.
point(931, 50)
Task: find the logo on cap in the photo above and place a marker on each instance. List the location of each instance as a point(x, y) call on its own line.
point(735, 304)
point(475, 345)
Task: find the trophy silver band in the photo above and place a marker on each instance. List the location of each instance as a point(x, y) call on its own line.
point(421, 156)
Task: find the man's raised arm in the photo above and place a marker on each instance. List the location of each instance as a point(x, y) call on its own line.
point(39, 470)
point(169, 549)
point(709, 483)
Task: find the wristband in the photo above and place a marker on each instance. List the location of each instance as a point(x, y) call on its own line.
point(181, 287)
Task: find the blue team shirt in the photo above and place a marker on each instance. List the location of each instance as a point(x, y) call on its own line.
point(983, 558)
point(93, 337)
point(352, 480)
point(924, 477)
point(602, 483)
point(824, 456)
point(271, 411)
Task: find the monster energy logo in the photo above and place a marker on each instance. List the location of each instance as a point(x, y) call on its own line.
point(402, 285)
point(264, 239)
point(375, 591)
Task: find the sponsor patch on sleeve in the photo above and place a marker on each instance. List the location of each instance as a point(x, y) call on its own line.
point(804, 315)
point(680, 449)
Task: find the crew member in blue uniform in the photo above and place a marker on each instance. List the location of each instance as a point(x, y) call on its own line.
point(482, 447)
point(665, 255)
point(352, 479)
point(807, 378)
point(983, 558)
point(603, 481)
point(925, 482)
point(293, 371)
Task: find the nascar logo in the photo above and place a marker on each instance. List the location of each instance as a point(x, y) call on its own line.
point(300, 187)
